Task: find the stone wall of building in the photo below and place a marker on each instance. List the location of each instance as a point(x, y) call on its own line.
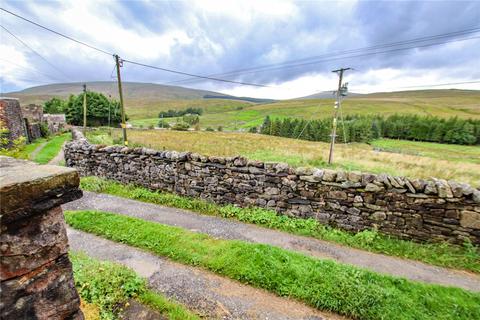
point(11, 117)
point(33, 112)
point(417, 209)
point(35, 272)
point(55, 122)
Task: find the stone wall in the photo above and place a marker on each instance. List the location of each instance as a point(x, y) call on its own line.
point(33, 112)
point(11, 117)
point(36, 274)
point(421, 210)
point(55, 122)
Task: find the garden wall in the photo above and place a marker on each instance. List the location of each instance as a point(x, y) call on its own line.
point(421, 210)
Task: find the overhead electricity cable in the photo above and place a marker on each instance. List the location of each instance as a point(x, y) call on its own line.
point(57, 33)
point(134, 62)
point(194, 75)
point(346, 57)
point(430, 85)
point(30, 69)
point(336, 53)
point(35, 52)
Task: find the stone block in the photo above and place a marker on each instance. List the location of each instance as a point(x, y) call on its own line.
point(470, 219)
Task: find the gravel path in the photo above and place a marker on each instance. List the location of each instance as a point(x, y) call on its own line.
point(58, 158)
point(231, 229)
point(207, 294)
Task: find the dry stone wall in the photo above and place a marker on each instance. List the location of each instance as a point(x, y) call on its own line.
point(35, 272)
point(417, 209)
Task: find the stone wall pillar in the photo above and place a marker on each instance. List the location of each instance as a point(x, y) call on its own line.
point(35, 271)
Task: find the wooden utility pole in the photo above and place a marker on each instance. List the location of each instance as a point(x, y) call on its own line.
point(84, 108)
point(335, 115)
point(120, 93)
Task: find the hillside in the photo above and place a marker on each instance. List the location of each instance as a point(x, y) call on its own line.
point(144, 101)
point(134, 91)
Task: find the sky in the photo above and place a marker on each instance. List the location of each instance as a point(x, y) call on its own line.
point(300, 42)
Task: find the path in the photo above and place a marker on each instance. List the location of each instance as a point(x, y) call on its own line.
point(232, 229)
point(202, 291)
point(58, 158)
point(36, 151)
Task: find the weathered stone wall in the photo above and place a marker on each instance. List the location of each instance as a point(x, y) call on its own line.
point(33, 112)
point(11, 117)
point(35, 272)
point(55, 122)
point(408, 208)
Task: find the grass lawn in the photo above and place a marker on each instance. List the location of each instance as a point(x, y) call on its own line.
point(449, 162)
point(467, 257)
point(52, 148)
point(324, 284)
point(106, 287)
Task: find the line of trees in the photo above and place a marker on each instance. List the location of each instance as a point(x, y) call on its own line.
point(179, 113)
point(356, 128)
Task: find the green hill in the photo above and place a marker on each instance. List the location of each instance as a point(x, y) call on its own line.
point(144, 101)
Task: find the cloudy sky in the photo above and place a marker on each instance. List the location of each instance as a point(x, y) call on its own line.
point(297, 43)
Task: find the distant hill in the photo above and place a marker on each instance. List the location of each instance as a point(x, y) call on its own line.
point(131, 91)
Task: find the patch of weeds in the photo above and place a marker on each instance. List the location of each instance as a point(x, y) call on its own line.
point(109, 286)
point(440, 254)
point(324, 284)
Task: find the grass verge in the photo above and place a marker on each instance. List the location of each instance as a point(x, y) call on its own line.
point(324, 284)
point(440, 254)
point(52, 148)
point(109, 286)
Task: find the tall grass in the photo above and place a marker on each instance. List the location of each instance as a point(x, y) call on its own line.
point(356, 156)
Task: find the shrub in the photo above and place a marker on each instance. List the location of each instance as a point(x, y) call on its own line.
point(163, 124)
point(209, 129)
point(220, 128)
point(181, 126)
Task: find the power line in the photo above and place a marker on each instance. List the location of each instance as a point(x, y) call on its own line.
point(57, 33)
point(432, 85)
point(30, 69)
point(336, 53)
point(193, 75)
point(35, 52)
point(134, 62)
point(347, 57)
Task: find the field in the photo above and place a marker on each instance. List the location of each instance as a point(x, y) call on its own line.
point(415, 159)
point(233, 115)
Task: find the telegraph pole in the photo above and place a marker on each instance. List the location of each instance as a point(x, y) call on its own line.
point(119, 63)
point(84, 108)
point(337, 107)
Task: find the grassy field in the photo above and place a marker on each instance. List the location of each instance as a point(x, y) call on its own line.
point(451, 162)
point(323, 284)
point(465, 257)
point(442, 103)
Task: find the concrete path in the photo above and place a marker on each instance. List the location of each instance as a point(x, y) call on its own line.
point(58, 158)
point(210, 295)
point(231, 229)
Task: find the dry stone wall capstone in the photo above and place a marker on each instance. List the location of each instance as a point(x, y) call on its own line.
point(416, 209)
point(35, 272)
